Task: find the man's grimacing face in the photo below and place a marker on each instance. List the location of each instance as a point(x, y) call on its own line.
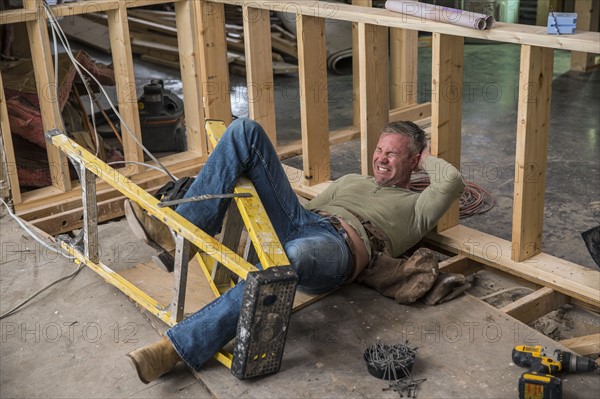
point(392, 163)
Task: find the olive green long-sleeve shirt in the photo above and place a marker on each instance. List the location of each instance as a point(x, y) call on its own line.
point(405, 216)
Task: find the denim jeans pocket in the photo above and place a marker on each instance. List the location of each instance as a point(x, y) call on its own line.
point(321, 259)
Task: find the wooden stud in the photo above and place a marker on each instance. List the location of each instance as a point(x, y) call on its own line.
point(532, 147)
point(533, 306)
point(588, 16)
point(190, 65)
point(374, 88)
point(446, 108)
point(404, 56)
point(120, 43)
point(213, 56)
point(7, 153)
point(584, 346)
point(314, 114)
point(355, 66)
point(259, 68)
point(543, 9)
point(43, 68)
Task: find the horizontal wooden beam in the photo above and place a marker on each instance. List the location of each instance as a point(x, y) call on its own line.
point(565, 277)
point(48, 201)
point(338, 136)
point(587, 345)
point(75, 8)
point(584, 305)
point(502, 32)
point(16, 16)
point(533, 306)
point(411, 113)
point(73, 219)
point(459, 264)
point(583, 41)
point(295, 176)
point(84, 7)
point(416, 113)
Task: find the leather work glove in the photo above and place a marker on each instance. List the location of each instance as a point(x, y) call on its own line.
point(447, 286)
point(404, 280)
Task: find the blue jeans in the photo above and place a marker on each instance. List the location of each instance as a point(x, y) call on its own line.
point(316, 251)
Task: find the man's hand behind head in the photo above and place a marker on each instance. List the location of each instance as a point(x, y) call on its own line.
point(424, 155)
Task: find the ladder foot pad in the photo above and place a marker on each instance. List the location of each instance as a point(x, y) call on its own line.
point(263, 324)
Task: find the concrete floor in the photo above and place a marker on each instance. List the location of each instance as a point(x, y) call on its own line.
point(71, 340)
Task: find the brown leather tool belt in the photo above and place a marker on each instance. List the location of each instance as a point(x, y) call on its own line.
point(377, 237)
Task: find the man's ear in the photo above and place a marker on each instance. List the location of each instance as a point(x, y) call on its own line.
point(414, 161)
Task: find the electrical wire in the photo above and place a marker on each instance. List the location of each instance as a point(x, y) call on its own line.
point(78, 67)
point(32, 234)
point(516, 287)
point(19, 306)
point(474, 200)
point(57, 31)
point(139, 163)
point(46, 245)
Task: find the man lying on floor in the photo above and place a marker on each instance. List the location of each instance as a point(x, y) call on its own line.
point(329, 241)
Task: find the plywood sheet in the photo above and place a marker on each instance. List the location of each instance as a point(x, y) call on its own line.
point(464, 351)
point(159, 285)
point(88, 32)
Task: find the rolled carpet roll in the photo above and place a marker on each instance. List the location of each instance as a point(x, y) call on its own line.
point(441, 14)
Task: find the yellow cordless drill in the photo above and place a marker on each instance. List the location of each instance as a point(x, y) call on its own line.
point(539, 382)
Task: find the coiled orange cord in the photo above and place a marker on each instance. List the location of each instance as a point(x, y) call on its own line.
point(475, 199)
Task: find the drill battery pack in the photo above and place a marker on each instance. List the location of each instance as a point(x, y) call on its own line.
point(533, 385)
point(263, 324)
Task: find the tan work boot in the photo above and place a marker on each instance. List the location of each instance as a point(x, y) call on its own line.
point(148, 229)
point(154, 360)
point(153, 232)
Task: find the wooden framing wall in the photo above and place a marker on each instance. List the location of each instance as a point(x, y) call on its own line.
point(200, 25)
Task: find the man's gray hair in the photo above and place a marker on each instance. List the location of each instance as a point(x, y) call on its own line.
point(406, 128)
